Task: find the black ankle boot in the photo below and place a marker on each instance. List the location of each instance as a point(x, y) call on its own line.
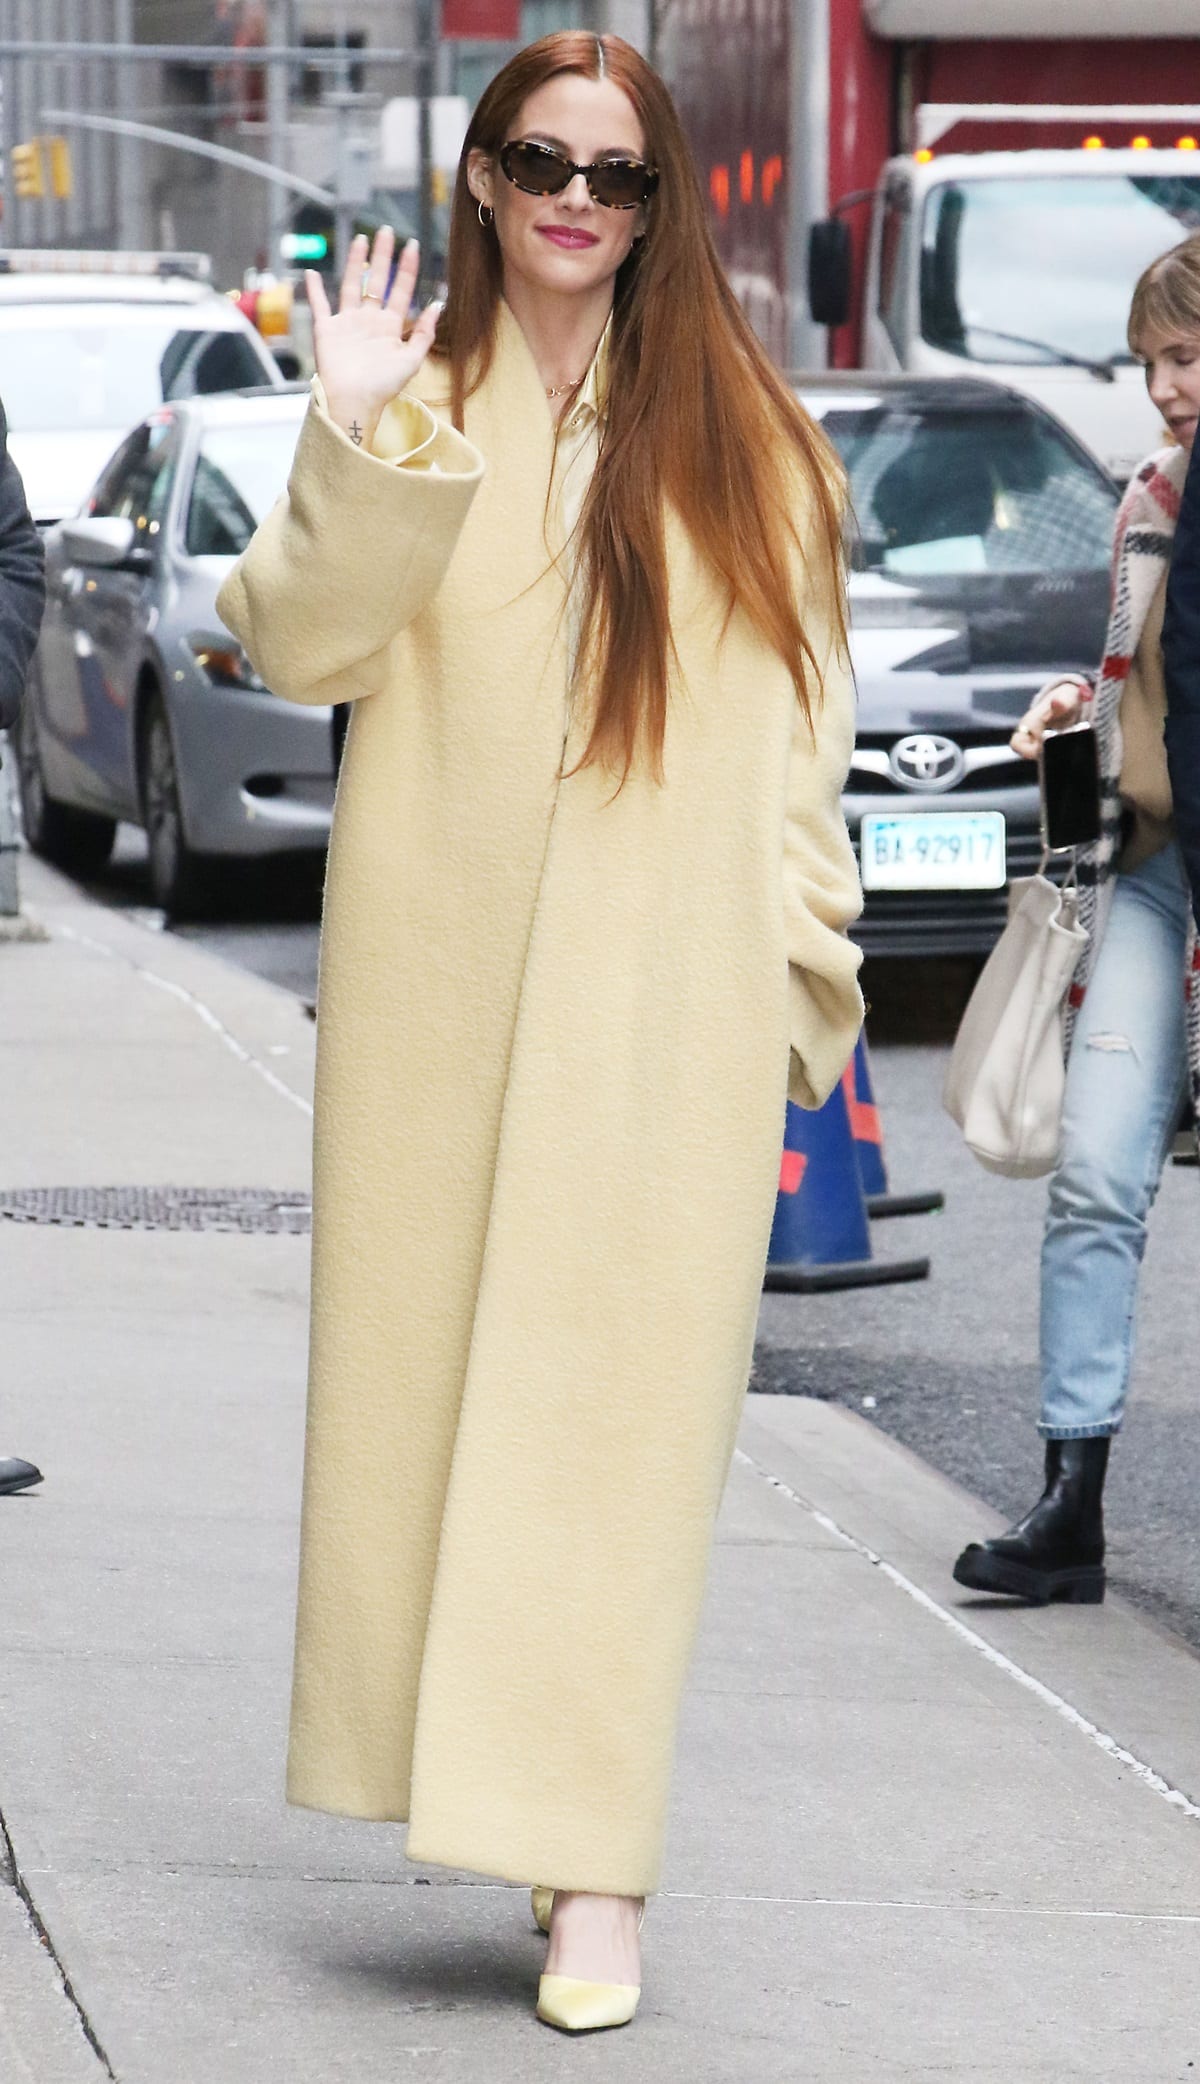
point(1057, 1550)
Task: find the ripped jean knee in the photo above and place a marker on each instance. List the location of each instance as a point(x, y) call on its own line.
point(1114, 1044)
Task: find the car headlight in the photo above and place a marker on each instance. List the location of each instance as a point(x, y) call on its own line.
point(225, 664)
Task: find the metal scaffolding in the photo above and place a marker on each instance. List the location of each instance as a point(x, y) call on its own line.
point(74, 66)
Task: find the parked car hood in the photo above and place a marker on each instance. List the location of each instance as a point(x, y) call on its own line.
point(58, 469)
point(964, 652)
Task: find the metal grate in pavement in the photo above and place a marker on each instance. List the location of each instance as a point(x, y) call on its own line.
point(159, 1208)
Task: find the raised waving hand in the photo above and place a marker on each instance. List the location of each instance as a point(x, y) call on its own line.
point(362, 356)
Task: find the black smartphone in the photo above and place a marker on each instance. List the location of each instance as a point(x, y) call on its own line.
point(1069, 775)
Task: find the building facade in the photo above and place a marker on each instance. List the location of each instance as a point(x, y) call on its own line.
point(318, 116)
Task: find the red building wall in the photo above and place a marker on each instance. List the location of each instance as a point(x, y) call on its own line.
point(730, 82)
point(733, 61)
point(862, 104)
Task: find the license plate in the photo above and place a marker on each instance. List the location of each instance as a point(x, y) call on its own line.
point(934, 850)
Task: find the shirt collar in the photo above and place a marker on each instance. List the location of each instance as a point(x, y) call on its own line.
point(593, 391)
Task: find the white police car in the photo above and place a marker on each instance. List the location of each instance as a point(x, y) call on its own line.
point(90, 342)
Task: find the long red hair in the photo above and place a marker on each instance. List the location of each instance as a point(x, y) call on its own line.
point(698, 419)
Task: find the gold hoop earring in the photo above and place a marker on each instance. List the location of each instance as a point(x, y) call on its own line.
point(486, 214)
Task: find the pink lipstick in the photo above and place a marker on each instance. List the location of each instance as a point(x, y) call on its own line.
point(570, 240)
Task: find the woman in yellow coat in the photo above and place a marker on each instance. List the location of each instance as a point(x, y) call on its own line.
point(578, 570)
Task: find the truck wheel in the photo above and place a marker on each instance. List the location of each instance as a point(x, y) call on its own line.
point(178, 876)
point(79, 841)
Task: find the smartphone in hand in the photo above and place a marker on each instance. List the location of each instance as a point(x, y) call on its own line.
point(1069, 778)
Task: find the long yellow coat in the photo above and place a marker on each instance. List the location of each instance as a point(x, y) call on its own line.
point(553, 1046)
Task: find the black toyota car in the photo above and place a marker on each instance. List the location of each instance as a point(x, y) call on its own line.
point(982, 533)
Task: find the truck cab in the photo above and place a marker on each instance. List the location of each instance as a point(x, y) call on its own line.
point(1019, 266)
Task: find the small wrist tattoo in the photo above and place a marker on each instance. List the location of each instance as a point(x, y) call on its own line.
point(356, 433)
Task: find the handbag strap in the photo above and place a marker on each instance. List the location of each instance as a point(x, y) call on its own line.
point(1068, 889)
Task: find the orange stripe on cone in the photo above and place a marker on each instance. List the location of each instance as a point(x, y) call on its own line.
point(792, 1168)
point(865, 1125)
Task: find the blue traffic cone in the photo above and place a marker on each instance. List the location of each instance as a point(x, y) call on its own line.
point(867, 1131)
point(821, 1237)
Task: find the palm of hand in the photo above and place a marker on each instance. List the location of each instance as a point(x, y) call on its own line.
point(361, 352)
point(363, 358)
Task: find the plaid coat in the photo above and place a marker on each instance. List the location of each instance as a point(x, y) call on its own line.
point(1142, 544)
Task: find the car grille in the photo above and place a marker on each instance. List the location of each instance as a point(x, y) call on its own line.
point(991, 765)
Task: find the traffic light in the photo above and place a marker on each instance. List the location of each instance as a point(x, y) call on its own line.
point(28, 173)
point(439, 189)
point(61, 184)
point(304, 246)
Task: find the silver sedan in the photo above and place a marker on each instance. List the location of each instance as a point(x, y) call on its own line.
point(140, 704)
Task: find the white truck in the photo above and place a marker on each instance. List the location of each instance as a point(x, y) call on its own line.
point(1018, 265)
point(963, 186)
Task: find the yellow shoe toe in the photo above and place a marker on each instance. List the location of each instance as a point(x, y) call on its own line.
point(578, 2007)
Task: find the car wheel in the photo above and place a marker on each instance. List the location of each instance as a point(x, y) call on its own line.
point(79, 841)
point(178, 876)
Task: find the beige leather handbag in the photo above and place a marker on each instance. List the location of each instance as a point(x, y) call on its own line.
point(1004, 1084)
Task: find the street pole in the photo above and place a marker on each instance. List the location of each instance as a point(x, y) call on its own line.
point(8, 102)
point(343, 102)
point(74, 94)
point(278, 117)
point(808, 174)
point(10, 844)
point(343, 209)
point(26, 226)
point(424, 84)
point(129, 155)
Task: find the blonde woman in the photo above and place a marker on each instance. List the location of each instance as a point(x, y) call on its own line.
point(1131, 1054)
point(573, 553)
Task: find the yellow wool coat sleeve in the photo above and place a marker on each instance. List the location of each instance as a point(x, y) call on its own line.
point(353, 553)
point(822, 896)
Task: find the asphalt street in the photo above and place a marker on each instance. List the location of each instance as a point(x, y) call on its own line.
point(948, 1366)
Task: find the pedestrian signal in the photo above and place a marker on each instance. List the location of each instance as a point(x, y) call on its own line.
point(28, 173)
point(304, 246)
point(61, 183)
point(438, 190)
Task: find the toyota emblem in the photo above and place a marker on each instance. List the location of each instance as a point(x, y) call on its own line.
point(926, 761)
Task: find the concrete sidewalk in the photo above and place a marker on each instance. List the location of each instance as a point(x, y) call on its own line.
point(913, 1837)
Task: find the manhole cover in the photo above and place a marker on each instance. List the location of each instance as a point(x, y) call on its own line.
point(159, 1208)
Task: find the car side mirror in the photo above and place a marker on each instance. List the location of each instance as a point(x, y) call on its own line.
point(106, 541)
point(829, 271)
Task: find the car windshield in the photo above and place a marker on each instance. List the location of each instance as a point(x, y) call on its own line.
point(942, 493)
point(240, 473)
point(1051, 260)
point(73, 376)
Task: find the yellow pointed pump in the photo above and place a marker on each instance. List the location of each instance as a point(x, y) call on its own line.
point(578, 2007)
point(568, 2002)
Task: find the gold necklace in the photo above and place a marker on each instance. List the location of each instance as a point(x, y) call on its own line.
point(562, 390)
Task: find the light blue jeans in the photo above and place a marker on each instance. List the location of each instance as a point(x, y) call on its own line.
point(1126, 1082)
